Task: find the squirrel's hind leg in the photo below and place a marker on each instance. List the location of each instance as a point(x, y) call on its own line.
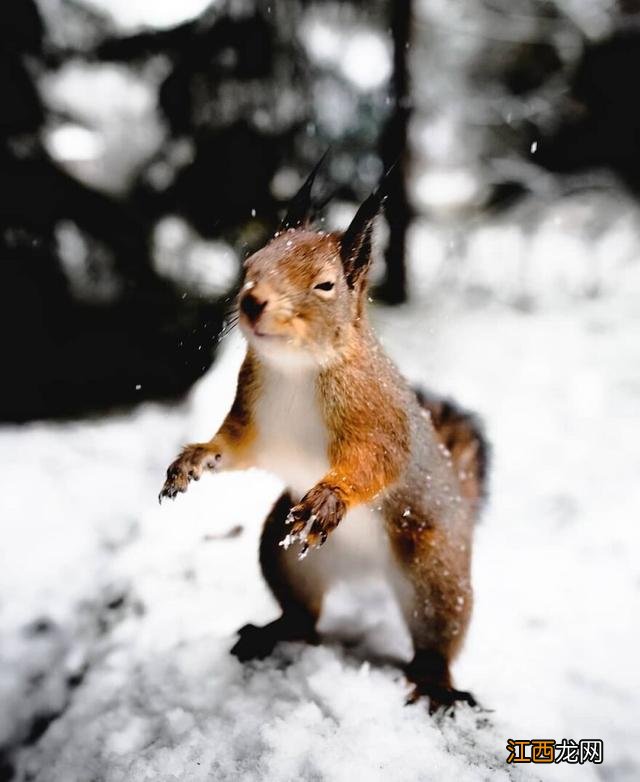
point(440, 610)
point(297, 622)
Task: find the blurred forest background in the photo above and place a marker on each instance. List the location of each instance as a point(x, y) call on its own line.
point(147, 147)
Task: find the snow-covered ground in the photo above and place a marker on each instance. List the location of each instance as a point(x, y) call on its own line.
point(116, 615)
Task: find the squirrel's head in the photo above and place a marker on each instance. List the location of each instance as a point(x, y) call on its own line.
point(303, 293)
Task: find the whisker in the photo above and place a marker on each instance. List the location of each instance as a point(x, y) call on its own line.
point(229, 323)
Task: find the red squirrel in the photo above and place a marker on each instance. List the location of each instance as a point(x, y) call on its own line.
point(383, 483)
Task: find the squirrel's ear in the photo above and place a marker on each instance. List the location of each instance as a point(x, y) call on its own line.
point(355, 245)
point(301, 207)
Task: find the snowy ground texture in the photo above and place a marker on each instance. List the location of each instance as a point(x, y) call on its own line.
point(116, 615)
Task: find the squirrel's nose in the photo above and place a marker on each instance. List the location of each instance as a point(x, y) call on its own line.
point(252, 306)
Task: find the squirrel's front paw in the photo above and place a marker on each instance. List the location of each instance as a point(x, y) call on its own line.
point(189, 466)
point(316, 515)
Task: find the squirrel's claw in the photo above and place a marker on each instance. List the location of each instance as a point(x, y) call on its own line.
point(189, 466)
point(441, 698)
point(173, 485)
point(314, 517)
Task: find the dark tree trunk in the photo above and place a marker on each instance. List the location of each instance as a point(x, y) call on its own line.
point(394, 151)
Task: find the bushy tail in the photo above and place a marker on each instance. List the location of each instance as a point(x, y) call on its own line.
point(462, 434)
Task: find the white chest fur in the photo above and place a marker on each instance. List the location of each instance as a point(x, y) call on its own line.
point(292, 436)
point(364, 595)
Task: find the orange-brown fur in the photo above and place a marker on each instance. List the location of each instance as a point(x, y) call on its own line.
point(386, 447)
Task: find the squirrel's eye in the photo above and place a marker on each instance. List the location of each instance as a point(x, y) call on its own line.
point(324, 286)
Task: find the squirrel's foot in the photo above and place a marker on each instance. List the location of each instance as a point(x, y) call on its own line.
point(256, 643)
point(189, 466)
point(315, 516)
point(429, 673)
point(440, 697)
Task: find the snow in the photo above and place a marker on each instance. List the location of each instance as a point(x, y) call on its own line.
point(446, 190)
point(207, 268)
point(87, 264)
point(116, 614)
point(73, 142)
point(361, 55)
point(116, 125)
point(367, 60)
point(132, 15)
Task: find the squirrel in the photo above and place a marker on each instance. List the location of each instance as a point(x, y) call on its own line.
point(383, 483)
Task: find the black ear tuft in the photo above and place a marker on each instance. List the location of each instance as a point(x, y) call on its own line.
point(301, 207)
point(355, 245)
